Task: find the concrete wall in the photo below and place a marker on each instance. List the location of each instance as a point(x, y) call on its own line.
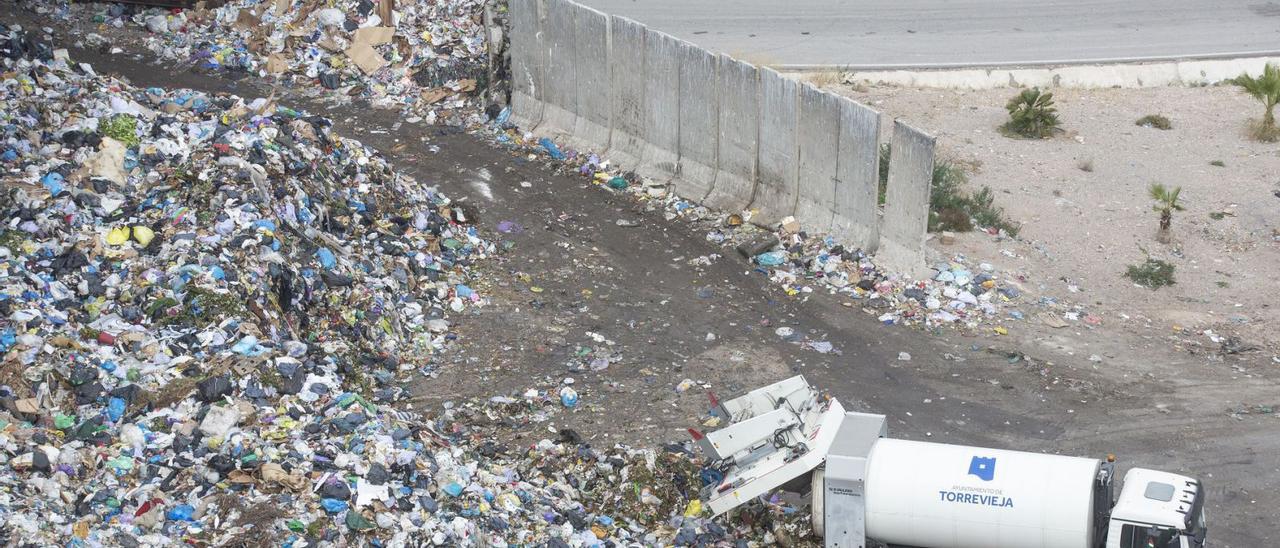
point(628, 78)
point(858, 177)
point(527, 62)
point(560, 97)
point(818, 141)
point(662, 107)
point(723, 132)
point(699, 122)
point(779, 155)
point(591, 30)
point(906, 203)
point(738, 88)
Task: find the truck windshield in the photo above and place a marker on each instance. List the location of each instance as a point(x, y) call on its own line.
point(1147, 536)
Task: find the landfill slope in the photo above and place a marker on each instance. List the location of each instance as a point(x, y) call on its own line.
point(208, 306)
point(429, 60)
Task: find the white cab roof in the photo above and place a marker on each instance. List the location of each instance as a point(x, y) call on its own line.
point(1156, 498)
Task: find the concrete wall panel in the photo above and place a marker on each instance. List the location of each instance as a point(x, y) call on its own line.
point(855, 220)
point(591, 29)
point(662, 106)
point(527, 63)
point(628, 77)
point(818, 137)
point(559, 114)
point(699, 122)
point(776, 189)
point(739, 140)
point(906, 210)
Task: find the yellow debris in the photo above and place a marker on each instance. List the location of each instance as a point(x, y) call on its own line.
point(143, 235)
point(118, 235)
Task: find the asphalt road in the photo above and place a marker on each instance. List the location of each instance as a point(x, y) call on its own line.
point(941, 33)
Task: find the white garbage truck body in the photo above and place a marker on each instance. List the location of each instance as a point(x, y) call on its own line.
point(867, 486)
point(953, 496)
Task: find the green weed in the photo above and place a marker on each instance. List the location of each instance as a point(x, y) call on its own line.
point(1156, 121)
point(1152, 273)
point(952, 207)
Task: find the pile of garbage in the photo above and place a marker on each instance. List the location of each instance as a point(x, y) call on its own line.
point(957, 294)
point(428, 59)
point(208, 307)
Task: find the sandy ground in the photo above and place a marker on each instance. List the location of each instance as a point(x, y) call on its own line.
point(1081, 228)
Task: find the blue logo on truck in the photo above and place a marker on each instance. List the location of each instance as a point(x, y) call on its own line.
point(983, 467)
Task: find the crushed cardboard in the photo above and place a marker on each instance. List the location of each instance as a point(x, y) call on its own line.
point(374, 36)
point(365, 57)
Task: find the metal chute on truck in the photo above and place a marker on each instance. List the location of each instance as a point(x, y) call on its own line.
point(867, 486)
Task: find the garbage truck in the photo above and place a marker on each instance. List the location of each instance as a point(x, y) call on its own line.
point(869, 488)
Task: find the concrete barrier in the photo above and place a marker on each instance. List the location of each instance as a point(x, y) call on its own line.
point(699, 123)
point(723, 132)
point(906, 210)
point(776, 188)
point(559, 113)
point(527, 63)
point(628, 78)
point(662, 107)
point(591, 29)
point(818, 140)
point(1199, 72)
point(857, 193)
point(738, 83)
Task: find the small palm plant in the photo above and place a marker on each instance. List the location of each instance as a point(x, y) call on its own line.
point(1265, 88)
point(1031, 115)
point(1166, 203)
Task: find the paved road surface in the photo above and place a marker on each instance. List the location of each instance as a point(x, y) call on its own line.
point(906, 33)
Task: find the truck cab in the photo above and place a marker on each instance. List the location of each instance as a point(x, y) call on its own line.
point(1157, 510)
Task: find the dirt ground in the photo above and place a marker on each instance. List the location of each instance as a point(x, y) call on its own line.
point(1082, 201)
point(574, 279)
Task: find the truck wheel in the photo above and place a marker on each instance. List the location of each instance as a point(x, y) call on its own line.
point(818, 488)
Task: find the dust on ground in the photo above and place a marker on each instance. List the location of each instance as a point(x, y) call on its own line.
point(1085, 213)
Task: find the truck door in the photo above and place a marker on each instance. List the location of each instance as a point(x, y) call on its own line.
point(1149, 536)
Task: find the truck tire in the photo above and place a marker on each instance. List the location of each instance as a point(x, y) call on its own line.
point(817, 490)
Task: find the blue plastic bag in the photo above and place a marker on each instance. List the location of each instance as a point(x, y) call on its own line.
point(551, 148)
point(771, 258)
point(454, 489)
point(115, 409)
point(181, 512)
point(327, 260)
point(52, 182)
